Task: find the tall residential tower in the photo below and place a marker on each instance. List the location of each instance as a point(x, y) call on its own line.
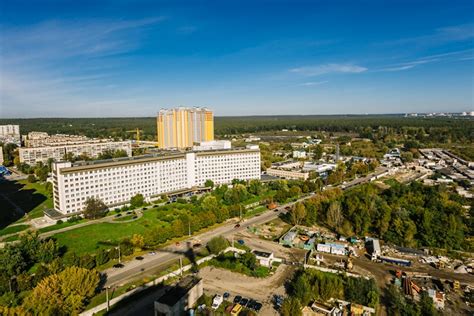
point(182, 127)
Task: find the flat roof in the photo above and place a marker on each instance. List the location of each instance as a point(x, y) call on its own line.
point(176, 293)
point(99, 164)
point(262, 253)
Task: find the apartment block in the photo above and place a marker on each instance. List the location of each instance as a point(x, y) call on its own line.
point(10, 134)
point(33, 155)
point(182, 127)
point(116, 181)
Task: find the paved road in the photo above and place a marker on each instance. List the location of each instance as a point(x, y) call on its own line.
point(167, 255)
point(172, 253)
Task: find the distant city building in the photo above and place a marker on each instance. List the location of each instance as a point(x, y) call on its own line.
point(299, 154)
point(288, 174)
point(116, 181)
point(41, 139)
point(33, 155)
point(181, 298)
point(1, 155)
point(182, 127)
point(10, 134)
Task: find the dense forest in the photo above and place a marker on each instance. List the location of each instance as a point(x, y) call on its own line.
point(455, 127)
point(411, 215)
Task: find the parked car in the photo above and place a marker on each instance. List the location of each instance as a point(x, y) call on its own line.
point(118, 265)
point(118, 215)
point(237, 226)
point(226, 295)
point(152, 253)
point(257, 307)
point(244, 302)
point(197, 245)
point(251, 303)
point(217, 301)
point(139, 258)
point(237, 299)
point(241, 241)
point(129, 212)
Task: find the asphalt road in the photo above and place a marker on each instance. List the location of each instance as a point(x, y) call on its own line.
point(164, 256)
point(167, 255)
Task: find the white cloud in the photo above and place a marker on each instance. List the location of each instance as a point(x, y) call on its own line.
point(327, 69)
point(443, 35)
point(312, 83)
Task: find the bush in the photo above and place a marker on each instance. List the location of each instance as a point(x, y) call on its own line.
point(217, 244)
point(31, 178)
point(59, 221)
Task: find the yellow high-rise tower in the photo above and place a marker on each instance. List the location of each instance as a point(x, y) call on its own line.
point(182, 127)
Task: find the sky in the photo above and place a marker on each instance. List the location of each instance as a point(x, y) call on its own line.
point(131, 58)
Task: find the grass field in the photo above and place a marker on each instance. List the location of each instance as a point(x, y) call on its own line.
point(89, 239)
point(13, 229)
point(32, 198)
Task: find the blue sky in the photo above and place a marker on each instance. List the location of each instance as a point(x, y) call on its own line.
point(131, 58)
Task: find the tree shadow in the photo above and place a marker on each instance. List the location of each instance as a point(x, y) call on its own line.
point(14, 196)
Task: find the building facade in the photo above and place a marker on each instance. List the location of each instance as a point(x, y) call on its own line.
point(1, 155)
point(182, 127)
point(33, 155)
point(116, 181)
point(10, 134)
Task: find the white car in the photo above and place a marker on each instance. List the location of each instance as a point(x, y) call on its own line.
point(217, 301)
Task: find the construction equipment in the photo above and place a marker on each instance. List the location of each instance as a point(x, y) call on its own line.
point(137, 131)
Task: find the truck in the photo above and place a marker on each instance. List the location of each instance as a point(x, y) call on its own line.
point(398, 261)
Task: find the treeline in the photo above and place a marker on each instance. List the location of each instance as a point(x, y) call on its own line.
point(312, 285)
point(411, 215)
point(370, 126)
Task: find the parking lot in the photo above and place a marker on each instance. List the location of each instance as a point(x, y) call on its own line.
point(218, 281)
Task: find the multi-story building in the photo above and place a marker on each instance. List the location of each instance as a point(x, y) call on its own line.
point(182, 127)
point(41, 139)
point(116, 181)
point(10, 134)
point(1, 155)
point(33, 155)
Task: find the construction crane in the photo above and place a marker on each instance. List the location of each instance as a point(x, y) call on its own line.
point(137, 131)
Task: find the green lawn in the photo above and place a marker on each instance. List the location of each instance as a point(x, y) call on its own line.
point(90, 238)
point(13, 229)
point(31, 197)
point(59, 226)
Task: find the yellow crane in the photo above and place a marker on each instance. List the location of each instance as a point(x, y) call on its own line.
point(137, 131)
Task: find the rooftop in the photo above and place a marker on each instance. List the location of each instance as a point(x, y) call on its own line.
point(176, 293)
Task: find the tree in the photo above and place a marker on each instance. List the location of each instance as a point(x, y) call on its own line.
point(255, 187)
point(31, 178)
point(64, 293)
point(318, 152)
point(209, 183)
point(95, 208)
point(138, 241)
point(334, 215)
point(217, 244)
point(137, 201)
point(298, 213)
point(291, 307)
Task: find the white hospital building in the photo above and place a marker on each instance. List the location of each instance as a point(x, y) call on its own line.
point(115, 181)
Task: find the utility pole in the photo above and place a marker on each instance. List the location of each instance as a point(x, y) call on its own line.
point(189, 228)
point(240, 208)
point(119, 257)
point(107, 297)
